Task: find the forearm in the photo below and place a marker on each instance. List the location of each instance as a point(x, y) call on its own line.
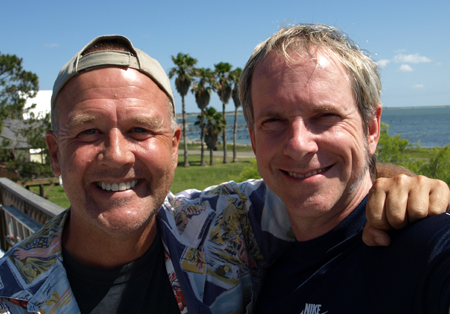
point(387, 170)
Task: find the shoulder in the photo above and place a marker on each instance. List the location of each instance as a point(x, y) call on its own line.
point(188, 215)
point(38, 253)
point(432, 233)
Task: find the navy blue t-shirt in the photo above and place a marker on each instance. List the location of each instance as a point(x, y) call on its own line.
point(338, 273)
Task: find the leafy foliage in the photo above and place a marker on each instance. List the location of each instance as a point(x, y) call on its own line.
point(391, 149)
point(222, 72)
point(216, 124)
point(201, 88)
point(234, 77)
point(16, 85)
point(183, 70)
point(250, 172)
point(34, 132)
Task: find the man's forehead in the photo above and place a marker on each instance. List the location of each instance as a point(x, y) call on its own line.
point(320, 58)
point(122, 82)
point(127, 90)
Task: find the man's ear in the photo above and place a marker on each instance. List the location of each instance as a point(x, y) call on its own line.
point(374, 131)
point(175, 142)
point(52, 143)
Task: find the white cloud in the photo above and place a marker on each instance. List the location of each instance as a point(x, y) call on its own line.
point(418, 86)
point(383, 63)
point(51, 45)
point(415, 58)
point(405, 68)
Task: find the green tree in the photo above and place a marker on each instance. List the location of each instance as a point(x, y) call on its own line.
point(249, 172)
point(216, 124)
point(16, 85)
point(234, 77)
point(438, 164)
point(201, 89)
point(34, 132)
point(222, 72)
point(183, 70)
point(391, 149)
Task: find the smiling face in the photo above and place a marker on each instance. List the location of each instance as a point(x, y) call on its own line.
point(308, 138)
point(115, 149)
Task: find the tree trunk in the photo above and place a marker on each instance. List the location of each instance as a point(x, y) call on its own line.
point(234, 135)
point(202, 139)
point(186, 158)
point(211, 159)
point(225, 156)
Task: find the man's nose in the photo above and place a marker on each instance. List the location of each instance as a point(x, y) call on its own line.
point(116, 152)
point(301, 141)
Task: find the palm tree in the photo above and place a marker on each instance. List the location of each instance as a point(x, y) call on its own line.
point(234, 76)
point(202, 88)
point(183, 70)
point(216, 123)
point(222, 72)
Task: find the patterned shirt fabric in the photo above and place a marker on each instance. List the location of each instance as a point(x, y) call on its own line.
point(218, 244)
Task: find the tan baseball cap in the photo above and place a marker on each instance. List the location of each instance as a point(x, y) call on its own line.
point(139, 61)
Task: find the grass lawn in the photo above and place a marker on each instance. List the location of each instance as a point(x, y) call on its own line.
point(239, 148)
point(193, 177)
point(196, 177)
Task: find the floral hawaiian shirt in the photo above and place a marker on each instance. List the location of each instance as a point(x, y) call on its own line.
point(218, 244)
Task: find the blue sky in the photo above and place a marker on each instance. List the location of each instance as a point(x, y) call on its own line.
point(409, 38)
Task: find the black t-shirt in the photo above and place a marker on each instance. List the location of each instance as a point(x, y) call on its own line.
point(337, 273)
point(141, 286)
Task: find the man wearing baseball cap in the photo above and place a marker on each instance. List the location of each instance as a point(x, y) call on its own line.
point(115, 144)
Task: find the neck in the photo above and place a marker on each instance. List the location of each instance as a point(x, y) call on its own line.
point(324, 220)
point(97, 249)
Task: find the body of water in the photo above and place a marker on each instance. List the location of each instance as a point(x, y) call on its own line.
point(430, 126)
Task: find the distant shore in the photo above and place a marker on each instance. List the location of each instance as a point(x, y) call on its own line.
point(179, 115)
point(418, 107)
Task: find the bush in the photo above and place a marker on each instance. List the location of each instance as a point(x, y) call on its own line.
point(249, 172)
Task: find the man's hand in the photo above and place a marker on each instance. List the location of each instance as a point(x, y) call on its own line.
point(393, 203)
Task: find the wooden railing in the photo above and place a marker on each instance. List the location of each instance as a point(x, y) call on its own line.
point(16, 200)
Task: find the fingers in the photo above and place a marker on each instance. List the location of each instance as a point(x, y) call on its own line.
point(375, 237)
point(393, 203)
point(375, 210)
point(388, 202)
point(439, 198)
point(397, 199)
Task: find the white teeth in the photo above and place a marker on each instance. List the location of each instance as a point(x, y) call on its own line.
point(302, 176)
point(122, 186)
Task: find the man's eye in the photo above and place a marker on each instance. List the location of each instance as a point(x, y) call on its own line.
point(89, 131)
point(270, 120)
point(139, 130)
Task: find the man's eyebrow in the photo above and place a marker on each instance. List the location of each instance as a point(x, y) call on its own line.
point(151, 122)
point(323, 109)
point(80, 120)
point(268, 113)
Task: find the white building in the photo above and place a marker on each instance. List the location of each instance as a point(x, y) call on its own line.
point(42, 101)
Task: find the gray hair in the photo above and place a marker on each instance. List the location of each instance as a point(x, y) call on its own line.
point(362, 70)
